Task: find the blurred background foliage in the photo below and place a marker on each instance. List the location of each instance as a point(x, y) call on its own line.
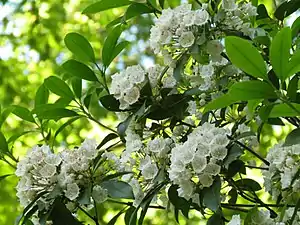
point(32, 48)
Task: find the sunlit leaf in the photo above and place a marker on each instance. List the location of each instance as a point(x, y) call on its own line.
point(80, 47)
point(105, 5)
point(79, 70)
point(245, 56)
point(280, 52)
point(58, 87)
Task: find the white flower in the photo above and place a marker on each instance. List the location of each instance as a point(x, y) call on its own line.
point(187, 39)
point(235, 220)
point(199, 162)
point(207, 70)
point(201, 17)
point(131, 95)
point(48, 170)
point(99, 194)
point(214, 47)
point(205, 180)
point(72, 191)
point(229, 5)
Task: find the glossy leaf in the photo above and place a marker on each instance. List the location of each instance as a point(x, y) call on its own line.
point(110, 44)
point(282, 110)
point(293, 138)
point(179, 203)
point(56, 113)
point(248, 184)
point(293, 65)
point(245, 56)
point(115, 218)
point(211, 195)
point(41, 96)
point(23, 113)
point(118, 189)
point(293, 88)
point(119, 48)
point(4, 176)
point(110, 103)
point(79, 70)
point(218, 103)
point(280, 52)
point(136, 9)
point(60, 215)
point(77, 86)
point(215, 219)
point(62, 127)
point(107, 138)
point(105, 5)
point(128, 216)
point(296, 27)
point(248, 90)
point(58, 87)
point(80, 47)
point(3, 144)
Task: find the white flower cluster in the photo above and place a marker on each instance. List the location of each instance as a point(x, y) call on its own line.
point(235, 220)
point(199, 157)
point(281, 176)
point(177, 27)
point(236, 17)
point(259, 217)
point(126, 85)
point(38, 172)
point(64, 174)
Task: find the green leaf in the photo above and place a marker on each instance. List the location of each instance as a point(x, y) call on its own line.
point(293, 88)
point(110, 44)
point(280, 52)
point(211, 195)
point(110, 103)
point(293, 64)
point(60, 215)
point(105, 5)
point(136, 9)
point(218, 103)
point(79, 70)
point(4, 176)
point(233, 196)
point(235, 167)
point(296, 27)
point(3, 144)
point(119, 48)
point(179, 203)
point(85, 196)
point(23, 113)
point(115, 218)
point(245, 56)
point(248, 184)
point(107, 138)
point(128, 214)
point(62, 127)
point(77, 86)
point(286, 9)
point(56, 113)
point(29, 207)
point(215, 219)
point(16, 136)
point(41, 96)
point(118, 189)
point(248, 90)
point(58, 87)
point(293, 138)
point(80, 47)
point(283, 110)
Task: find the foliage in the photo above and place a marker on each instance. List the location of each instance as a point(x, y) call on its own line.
point(185, 129)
